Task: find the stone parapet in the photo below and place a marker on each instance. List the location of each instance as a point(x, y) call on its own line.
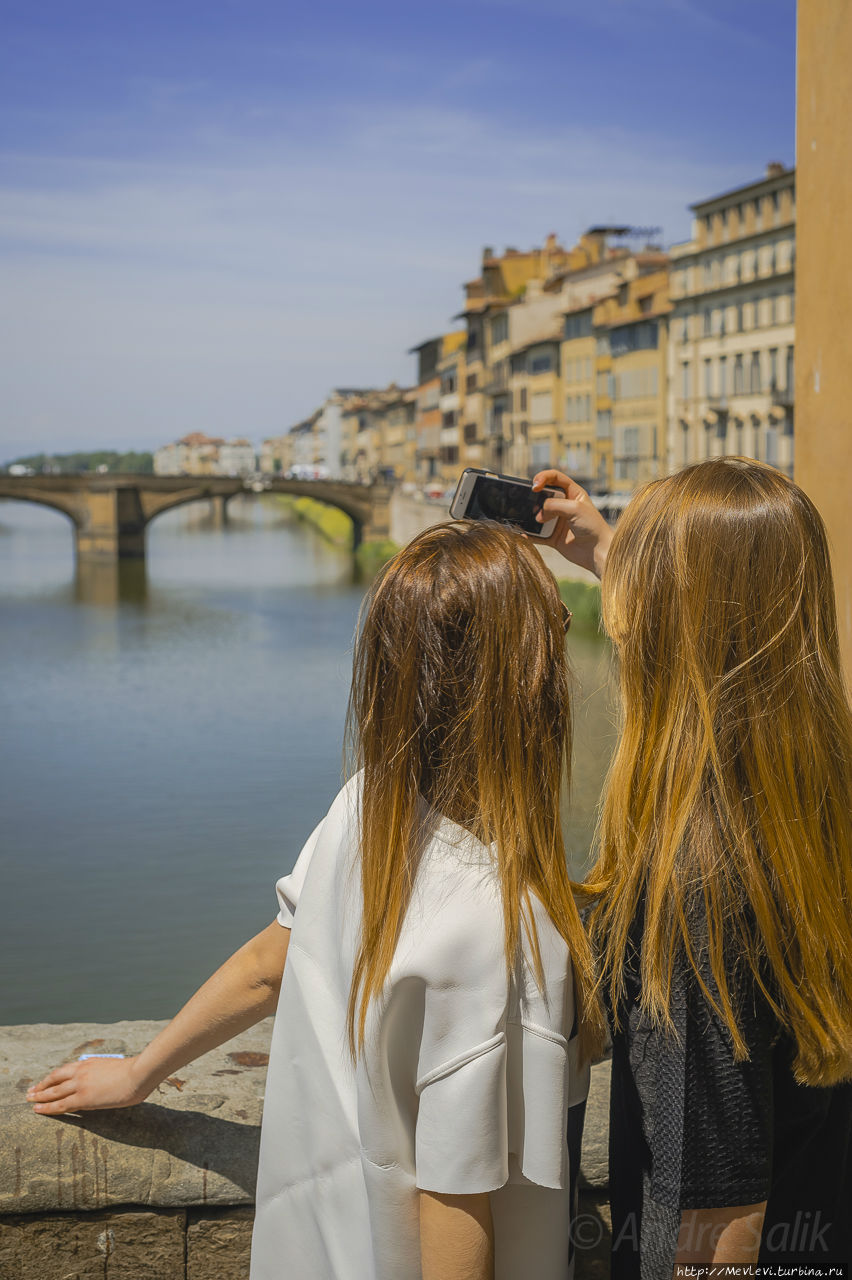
point(165, 1189)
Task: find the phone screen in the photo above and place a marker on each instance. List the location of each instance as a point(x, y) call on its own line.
point(506, 501)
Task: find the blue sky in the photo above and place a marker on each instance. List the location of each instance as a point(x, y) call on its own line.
point(212, 213)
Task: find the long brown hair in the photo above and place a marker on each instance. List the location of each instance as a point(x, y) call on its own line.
point(731, 786)
point(461, 695)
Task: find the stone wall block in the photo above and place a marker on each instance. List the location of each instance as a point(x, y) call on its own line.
point(218, 1244)
point(94, 1246)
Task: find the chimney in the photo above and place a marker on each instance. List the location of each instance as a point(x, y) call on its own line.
point(487, 252)
point(551, 244)
point(774, 169)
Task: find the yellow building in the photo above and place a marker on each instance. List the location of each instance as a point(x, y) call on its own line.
point(452, 370)
point(503, 282)
point(577, 357)
point(514, 313)
point(537, 401)
point(731, 368)
point(398, 453)
point(631, 334)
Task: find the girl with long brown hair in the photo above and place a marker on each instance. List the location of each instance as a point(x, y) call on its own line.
point(436, 1014)
point(723, 884)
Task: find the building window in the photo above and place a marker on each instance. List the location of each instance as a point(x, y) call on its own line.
point(578, 325)
point(448, 382)
point(541, 364)
point(773, 368)
point(603, 427)
point(739, 376)
point(755, 383)
point(758, 214)
point(708, 322)
point(469, 432)
point(470, 382)
point(540, 454)
point(684, 380)
point(449, 454)
point(723, 375)
point(499, 329)
point(755, 314)
point(790, 371)
point(522, 400)
point(449, 419)
point(646, 304)
point(541, 406)
point(708, 377)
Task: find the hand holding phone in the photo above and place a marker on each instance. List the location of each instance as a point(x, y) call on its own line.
point(582, 534)
point(488, 495)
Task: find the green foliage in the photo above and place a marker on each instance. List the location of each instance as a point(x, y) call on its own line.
point(331, 522)
point(370, 556)
point(134, 463)
point(584, 601)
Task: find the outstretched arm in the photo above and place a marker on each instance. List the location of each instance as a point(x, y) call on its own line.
point(239, 994)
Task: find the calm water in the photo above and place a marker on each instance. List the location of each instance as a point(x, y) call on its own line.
point(169, 741)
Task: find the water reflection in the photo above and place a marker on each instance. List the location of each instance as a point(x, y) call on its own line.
point(108, 583)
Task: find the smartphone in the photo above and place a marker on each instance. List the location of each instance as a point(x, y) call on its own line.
point(486, 495)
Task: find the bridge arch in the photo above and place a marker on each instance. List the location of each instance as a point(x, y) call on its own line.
point(110, 513)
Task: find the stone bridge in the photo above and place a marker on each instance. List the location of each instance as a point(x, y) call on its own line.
point(111, 512)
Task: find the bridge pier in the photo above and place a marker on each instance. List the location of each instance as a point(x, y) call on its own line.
point(110, 525)
point(219, 510)
point(377, 527)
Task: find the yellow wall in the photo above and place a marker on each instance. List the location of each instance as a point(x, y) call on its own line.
point(823, 464)
point(577, 437)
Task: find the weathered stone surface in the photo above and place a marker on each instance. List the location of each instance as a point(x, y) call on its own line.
point(94, 1246)
point(592, 1236)
point(218, 1244)
point(594, 1165)
point(194, 1142)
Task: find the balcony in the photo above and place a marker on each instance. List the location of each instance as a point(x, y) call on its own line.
point(496, 381)
point(781, 398)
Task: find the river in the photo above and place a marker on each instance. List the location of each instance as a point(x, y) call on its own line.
point(169, 741)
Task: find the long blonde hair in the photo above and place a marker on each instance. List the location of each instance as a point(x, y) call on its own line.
point(461, 695)
point(731, 786)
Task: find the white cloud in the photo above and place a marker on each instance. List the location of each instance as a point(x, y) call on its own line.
point(145, 299)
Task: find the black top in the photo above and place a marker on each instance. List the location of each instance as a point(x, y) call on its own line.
point(690, 1128)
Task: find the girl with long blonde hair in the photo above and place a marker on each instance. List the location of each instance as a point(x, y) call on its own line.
point(723, 884)
point(437, 1011)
